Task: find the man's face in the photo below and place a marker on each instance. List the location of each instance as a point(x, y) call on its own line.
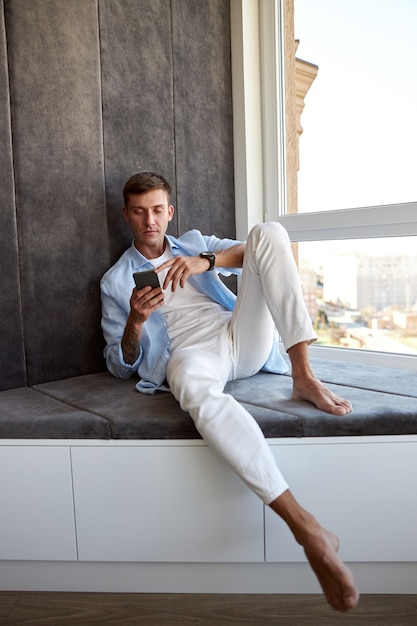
point(148, 215)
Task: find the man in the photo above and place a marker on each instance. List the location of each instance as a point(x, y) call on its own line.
point(192, 336)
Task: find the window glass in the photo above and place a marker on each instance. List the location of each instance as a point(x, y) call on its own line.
point(362, 294)
point(359, 137)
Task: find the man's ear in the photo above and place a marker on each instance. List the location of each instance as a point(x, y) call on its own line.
point(125, 214)
point(170, 212)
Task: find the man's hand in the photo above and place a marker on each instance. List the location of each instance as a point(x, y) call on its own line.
point(143, 302)
point(181, 268)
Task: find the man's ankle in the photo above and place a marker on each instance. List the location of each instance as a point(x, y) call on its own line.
point(300, 362)
point(299, 520)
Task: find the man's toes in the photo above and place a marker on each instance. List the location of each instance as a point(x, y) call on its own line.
point(339, 410)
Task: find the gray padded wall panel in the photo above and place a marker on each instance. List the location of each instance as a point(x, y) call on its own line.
point(137, 100)
point(100, 89)
point(12, 361)
point(203, 116)
point(57, 138)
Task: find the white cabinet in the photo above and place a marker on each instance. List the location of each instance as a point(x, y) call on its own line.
point(178, 502)
point(36, 515)
point(358, 490)
point(168, 503)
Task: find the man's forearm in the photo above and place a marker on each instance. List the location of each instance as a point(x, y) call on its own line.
point(131, 342)
point(231, 257)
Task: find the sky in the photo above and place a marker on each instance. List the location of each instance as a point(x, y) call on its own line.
point(359, 144)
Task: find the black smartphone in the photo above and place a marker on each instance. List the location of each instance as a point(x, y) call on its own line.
point(145, 279)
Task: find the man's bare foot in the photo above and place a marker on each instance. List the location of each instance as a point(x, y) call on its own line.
point(312, 390)
point(306, 386)
point(334, 577)
point(320, 547)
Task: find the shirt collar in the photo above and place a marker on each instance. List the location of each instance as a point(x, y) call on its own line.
point(141, 260)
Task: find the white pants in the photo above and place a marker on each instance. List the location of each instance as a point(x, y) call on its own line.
point(270, 294)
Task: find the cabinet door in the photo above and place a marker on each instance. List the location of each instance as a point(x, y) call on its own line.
point(37, 515)
point(364, 492)
point(163, 503)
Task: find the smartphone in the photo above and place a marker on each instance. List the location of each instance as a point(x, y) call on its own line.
point(145, 279)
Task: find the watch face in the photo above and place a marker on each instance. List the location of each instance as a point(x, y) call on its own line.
point(210, 256)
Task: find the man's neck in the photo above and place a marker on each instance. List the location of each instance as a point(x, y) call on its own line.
point(151, 252)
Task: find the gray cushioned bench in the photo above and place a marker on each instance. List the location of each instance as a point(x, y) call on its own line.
point(82, 507)
point(98, 406)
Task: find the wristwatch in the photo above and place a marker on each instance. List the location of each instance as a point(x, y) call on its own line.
point(211, 257)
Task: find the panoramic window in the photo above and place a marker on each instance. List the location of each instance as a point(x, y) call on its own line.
point(357, 138)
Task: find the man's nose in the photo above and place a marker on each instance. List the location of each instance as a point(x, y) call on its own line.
point(149, 217)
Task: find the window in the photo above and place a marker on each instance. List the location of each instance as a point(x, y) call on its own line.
point(318, 219)
point(359, 137)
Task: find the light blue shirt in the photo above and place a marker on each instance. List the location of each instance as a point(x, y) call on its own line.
point(116, 290)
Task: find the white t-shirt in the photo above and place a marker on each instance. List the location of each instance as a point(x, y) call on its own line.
point(191, 316)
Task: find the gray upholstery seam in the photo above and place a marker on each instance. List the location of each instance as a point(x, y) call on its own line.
point(73, 405)
point(375, 390)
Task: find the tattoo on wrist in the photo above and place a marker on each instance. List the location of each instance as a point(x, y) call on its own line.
point(130, 351)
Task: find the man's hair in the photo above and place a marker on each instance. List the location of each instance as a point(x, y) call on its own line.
point(144, 182)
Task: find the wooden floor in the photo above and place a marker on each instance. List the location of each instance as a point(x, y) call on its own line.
point(104, 609)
